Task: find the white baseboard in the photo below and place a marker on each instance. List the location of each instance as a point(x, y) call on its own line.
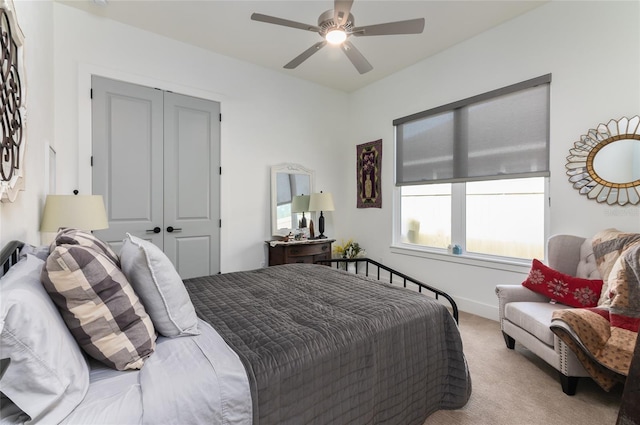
point(479, 309)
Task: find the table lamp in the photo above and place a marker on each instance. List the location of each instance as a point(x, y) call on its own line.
point(300, 204)
point(321, 202)
point(83, 212)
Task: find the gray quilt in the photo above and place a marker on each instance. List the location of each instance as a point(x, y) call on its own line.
point(322, 346)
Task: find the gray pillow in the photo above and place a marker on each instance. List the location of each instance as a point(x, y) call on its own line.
point(41, 252)
point(47, 376)
point(159, 287)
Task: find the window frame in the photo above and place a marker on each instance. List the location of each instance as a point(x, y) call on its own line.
point(458, 234)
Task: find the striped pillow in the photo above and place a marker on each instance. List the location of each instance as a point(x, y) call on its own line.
point(99, 306)
point(71, 236)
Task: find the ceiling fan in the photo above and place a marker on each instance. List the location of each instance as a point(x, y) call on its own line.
point(336, 26)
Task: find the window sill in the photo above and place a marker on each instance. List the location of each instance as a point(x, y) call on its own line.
point(497, 263)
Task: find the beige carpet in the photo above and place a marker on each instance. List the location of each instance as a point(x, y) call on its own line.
point(513, 387)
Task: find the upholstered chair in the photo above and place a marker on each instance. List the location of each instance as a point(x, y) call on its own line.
point(525, 316)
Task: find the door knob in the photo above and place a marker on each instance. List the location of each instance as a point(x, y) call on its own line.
point(172, 229)
point(154, 230)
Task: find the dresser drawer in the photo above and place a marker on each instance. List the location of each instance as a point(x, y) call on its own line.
point(306, 252)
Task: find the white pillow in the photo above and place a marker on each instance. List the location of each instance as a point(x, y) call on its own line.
point(48, 375)
point(159, 287)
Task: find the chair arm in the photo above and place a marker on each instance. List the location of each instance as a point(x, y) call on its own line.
point(516, 293)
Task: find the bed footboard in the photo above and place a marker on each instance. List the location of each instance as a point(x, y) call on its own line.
point(363, 267)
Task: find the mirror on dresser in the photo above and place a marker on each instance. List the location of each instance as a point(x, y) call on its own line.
point(287, 181)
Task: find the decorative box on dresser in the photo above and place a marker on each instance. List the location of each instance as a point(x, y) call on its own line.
point(308, 251)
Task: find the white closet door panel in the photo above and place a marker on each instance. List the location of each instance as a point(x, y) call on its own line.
point(131, 149)
point(194, 256)
point(127, 146)
point(193, 161)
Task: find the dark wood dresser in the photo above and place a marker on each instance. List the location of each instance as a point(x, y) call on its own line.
point(299, 252)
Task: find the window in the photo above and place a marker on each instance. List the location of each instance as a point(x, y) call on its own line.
point(474, 173)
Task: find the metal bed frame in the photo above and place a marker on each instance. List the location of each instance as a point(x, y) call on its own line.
point(10, 254)
point(342, 263)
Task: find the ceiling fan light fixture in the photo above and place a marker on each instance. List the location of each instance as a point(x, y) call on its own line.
point(336, 36)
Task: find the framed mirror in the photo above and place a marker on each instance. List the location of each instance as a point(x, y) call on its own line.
point(604, 164)
point(287, 181)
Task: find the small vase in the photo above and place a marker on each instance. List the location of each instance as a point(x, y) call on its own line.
point(351, 268)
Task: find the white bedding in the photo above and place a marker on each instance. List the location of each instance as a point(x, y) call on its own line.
point(194, 379)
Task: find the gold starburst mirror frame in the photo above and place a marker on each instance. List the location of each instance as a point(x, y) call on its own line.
point(12, 105)
point(605, 163)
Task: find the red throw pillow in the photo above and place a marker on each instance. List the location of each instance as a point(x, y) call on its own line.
point(560, 287)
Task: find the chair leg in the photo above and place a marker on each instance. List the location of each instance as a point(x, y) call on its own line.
point(511, 343)
point(569, 383)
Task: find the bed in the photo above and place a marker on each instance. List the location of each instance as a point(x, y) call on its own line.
point(290, 344)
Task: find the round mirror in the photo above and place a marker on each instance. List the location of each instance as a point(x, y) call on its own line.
point(605, 163)
point(618, 162)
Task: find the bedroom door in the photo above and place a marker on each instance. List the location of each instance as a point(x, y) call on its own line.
point(156, 160)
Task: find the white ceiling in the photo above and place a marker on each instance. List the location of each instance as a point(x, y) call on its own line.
point(225, 27)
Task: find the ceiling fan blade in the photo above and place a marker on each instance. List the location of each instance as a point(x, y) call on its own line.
point(356, 58)
point(306, 54)
point(341, 10)
point(284, 22)
point(412, 26)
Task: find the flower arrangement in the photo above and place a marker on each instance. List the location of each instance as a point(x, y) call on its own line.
point(350, 249)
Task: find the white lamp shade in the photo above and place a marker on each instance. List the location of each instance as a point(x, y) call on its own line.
point(321, 202)
point(300, 203)
point(84, 212)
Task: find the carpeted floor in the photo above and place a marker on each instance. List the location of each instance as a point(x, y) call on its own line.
point(514, 387)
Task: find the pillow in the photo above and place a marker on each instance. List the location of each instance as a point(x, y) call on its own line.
point(41, 252)
point(608, 246)
point(47, 375)
point(70, 236)
point(560, 287)
point(99, 306)
point(159, 286)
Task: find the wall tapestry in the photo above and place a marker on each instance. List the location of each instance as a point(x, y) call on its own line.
point(12, 109)
point(368, 164)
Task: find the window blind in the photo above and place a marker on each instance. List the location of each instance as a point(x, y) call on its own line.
point(500, 134)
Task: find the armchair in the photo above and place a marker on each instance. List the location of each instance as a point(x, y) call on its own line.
point(525, 316)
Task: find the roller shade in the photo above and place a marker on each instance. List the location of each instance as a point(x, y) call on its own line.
point(500, 134)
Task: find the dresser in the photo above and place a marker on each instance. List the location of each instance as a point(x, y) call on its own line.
point(299, 252)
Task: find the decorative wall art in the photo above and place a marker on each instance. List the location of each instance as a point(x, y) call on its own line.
point(12, 109)
point(368, 164)
point(604, 165)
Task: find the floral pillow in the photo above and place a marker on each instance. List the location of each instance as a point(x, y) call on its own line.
point(563, 288)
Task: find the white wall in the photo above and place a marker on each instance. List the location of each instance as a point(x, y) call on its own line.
point(20, 220)
point(268, 117)
point(591, 49)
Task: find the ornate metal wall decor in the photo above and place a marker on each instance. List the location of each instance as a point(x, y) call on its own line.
point(12, 108)
point(604, 165)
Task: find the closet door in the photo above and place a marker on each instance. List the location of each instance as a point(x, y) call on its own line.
point(156, 161)
point(192, 184)
point(127, 155)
